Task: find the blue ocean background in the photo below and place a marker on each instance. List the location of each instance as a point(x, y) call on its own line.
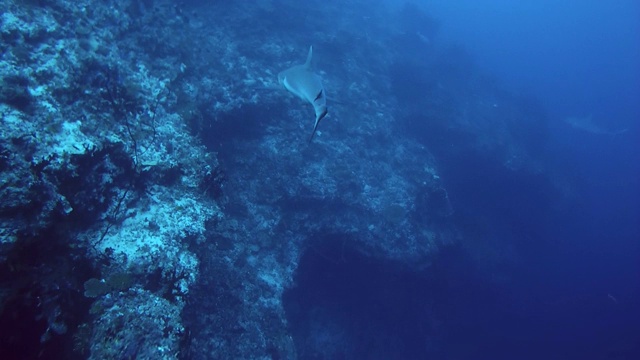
point(473, 192)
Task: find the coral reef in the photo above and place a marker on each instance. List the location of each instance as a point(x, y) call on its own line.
point(141, 143)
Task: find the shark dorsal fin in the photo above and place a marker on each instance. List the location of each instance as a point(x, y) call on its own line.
point(307, 63)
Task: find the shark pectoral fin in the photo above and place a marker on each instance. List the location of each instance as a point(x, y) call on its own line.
point(285, 83)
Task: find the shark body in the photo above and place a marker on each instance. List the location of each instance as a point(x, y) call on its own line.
point(589, 125)
point(302, 82)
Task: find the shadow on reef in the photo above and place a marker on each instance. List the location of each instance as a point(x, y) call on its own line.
point(41, 306)
point(349, 306)
point(239, 125)
point(346, 305)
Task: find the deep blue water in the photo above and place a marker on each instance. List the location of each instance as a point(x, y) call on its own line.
point(580, 57)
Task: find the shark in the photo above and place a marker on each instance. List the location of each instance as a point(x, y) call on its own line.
point(301, 81)
point(589, 125)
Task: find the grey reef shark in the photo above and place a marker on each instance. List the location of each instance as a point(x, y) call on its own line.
point(301, 81)
point(587, 124)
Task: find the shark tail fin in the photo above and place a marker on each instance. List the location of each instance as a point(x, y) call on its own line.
point(313, 133)
point(315, 126)
point(307, 63)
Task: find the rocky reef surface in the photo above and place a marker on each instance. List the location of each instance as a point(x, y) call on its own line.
point(157, 194)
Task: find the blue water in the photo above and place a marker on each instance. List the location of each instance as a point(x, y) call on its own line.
point(578, 56)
